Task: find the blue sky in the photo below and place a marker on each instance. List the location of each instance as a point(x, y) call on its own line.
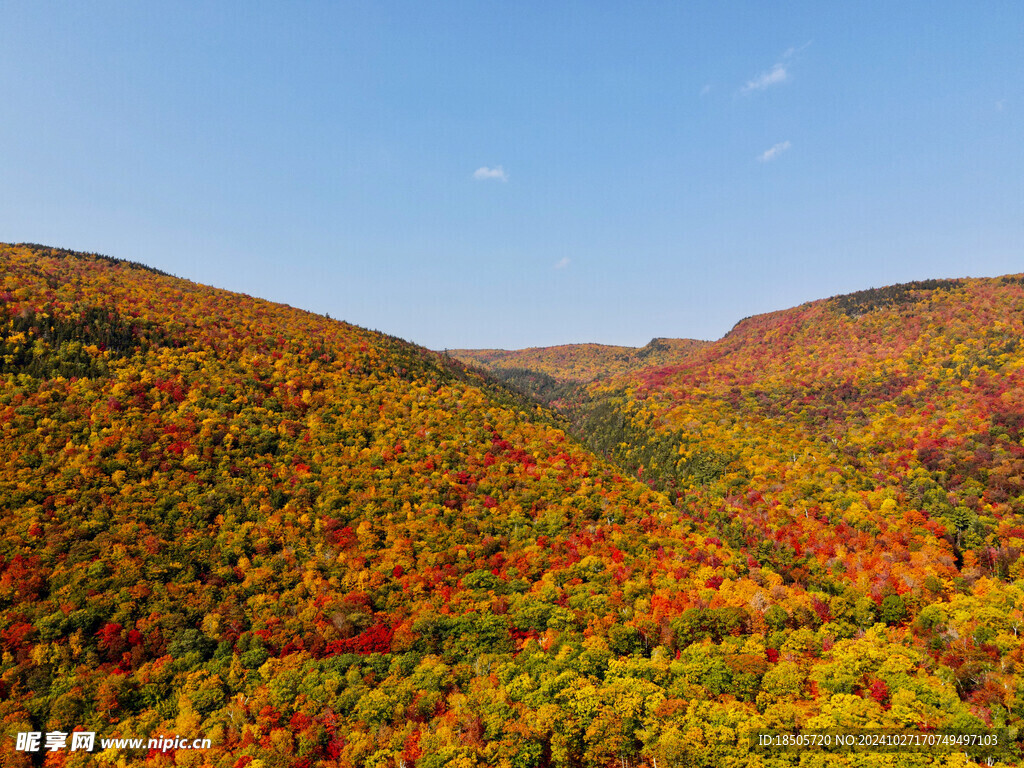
point(484, 174)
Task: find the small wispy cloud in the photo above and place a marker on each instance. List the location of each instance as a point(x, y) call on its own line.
point(562, 263)
point(791, 52)
point(705, 90)
point(497, 173)
point(773, 152)
point(1000, 104)
point(774, 76)
point(779, 73)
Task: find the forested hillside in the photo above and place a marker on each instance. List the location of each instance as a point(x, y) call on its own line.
point(320, 546)
point(882, 410)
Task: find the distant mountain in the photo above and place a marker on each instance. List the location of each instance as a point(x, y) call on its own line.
point(316, 545)
point(555, 376)
point(582, 362)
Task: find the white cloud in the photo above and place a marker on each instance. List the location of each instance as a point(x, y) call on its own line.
point(562, 263)
point(773, 76)
point(483, 173)
point(771, 154)
point(790, 52)
point(779, 73)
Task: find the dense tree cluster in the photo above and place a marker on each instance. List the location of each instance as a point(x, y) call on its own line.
point(857, 303)
point(321, 546)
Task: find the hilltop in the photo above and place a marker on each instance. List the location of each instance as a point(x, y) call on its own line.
point(318, 545)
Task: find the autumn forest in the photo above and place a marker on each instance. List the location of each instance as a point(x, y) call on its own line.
point(324, 547)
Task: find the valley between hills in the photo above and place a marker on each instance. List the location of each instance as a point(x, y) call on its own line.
point(321, 546)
